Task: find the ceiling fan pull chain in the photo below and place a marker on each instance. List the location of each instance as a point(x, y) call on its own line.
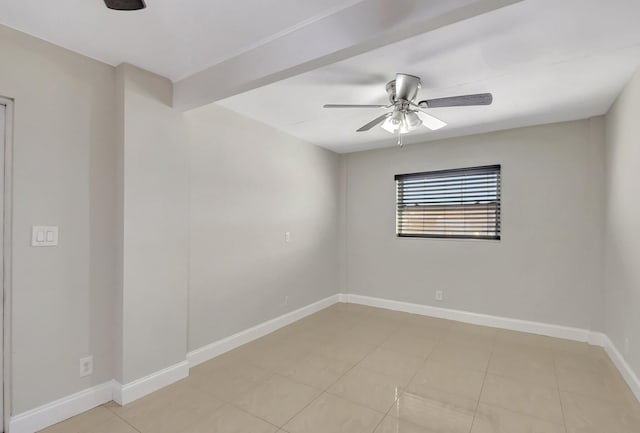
point(399, 138)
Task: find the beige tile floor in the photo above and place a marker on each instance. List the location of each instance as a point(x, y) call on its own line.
point(355, 369)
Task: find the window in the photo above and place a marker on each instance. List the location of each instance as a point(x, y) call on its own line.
point(461, 203)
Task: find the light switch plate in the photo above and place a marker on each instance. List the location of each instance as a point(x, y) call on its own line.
point(44, 236)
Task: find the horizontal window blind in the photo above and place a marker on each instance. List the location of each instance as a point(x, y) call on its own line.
point(459, 203)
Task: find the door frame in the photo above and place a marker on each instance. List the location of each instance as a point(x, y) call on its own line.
point(7, 209)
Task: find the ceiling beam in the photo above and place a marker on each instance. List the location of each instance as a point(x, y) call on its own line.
point(362, 27)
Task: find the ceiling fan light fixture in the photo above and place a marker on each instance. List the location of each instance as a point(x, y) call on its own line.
point(393, 122)
point(391, 125)
point(412, 120)
point(401, 122)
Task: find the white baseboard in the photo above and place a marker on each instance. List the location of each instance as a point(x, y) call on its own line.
point(75, 404)
point(67, 407)
point(219, 347)
point(558, 331)
point(623, 367)
point(125, 394)
point(597, 339)
point(59, 410)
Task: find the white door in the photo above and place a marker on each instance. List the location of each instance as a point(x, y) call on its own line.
point(3, 110)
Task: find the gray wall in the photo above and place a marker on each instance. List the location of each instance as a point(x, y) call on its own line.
point(548, 265)
point(63, 171)
point(249, 185)
point(101, 154)
point(155, 252)
point(622, 228)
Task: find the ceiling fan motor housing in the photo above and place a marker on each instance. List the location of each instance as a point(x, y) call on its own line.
point(404, 88)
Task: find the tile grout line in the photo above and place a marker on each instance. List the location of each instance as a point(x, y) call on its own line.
point(324, 391)
point(404, 391)
point(442, 340)
point(408, 383)
point(555, 373)
point(253, 415)
point(269, 376)
point(484, 380)
point(518, 412)
point(123, 419)
point(357, 364)
point(439, 341)
point(398, 328)
point(255, 383)
point(486, 373)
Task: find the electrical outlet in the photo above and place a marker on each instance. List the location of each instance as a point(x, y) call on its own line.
point(287, 237)
point(286, 300)
point(626, 345)
point(86, 366)
point(439, 295)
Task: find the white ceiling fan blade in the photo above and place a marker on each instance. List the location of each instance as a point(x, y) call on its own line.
point(354, 106)
point(374, 122)
point(433, 123)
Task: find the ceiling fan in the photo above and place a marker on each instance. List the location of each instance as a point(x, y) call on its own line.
point(125, 5)
point(407, 115)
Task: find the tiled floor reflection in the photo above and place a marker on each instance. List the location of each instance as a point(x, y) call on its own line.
point(356, 369)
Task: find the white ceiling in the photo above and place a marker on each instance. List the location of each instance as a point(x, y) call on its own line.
point(362, 27)
point(173, 38)
point(543, 60)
